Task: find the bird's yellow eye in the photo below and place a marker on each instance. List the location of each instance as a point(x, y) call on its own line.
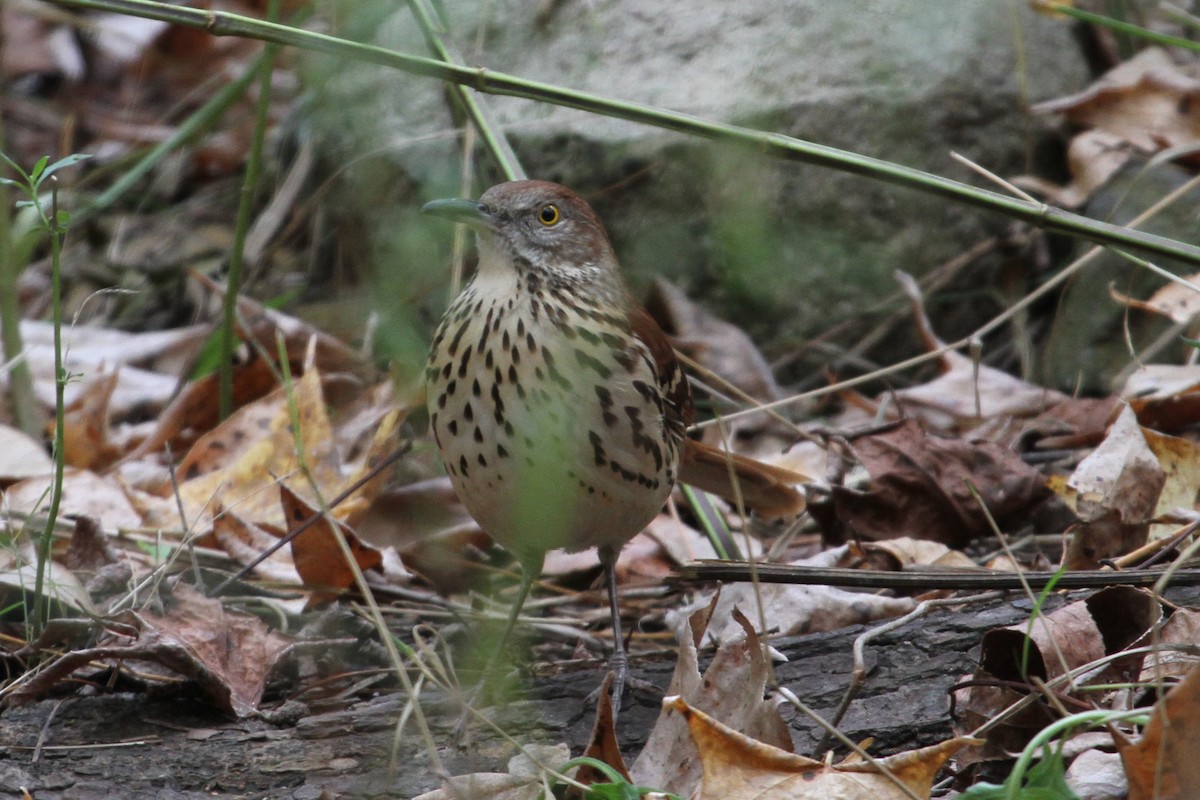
point(549, 215)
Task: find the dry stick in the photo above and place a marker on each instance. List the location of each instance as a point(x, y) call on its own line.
point(1000, 319)
point(858, 675)
point(917, 579)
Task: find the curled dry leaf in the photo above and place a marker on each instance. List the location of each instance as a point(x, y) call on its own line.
point(921, 486)
point(731, 690)
point(1107, 623)
point(1162, 765)
point(1092, 158)
point(86, 440)
point(1183, 628)
point(1174, 301)
point(1165, 397)
point(737, 767)
point(1115, 492)
point(523, 781)
point(1148, 101)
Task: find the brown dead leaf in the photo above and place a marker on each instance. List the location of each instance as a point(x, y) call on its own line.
point(1092, 158)
point(731, 689)
point(1165, 397)
point(1162, 765)
point(1174, 301)
point(244, 541)
point(430, 529)
point(262, 445)
point(523, 781)
point(1180, 462)
point(919, 487)
point(84, 494)
point(1108, 622)
point(1147, 101)
point(1075, 422)
point(86, 442)
point(195, 410)
point(230, 654)
point(965, 393)
point(1115, 492)
point(318, 556)
point(791, 609)
point(716, 345)
point(602, 745)
point(737, 767)
point(1183, 628)
point(907, 551)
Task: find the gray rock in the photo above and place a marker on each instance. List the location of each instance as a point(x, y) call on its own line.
point(784, 249)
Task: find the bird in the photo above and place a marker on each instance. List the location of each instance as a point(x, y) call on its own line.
point(558, 406)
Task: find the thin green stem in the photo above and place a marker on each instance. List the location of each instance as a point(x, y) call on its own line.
point(770, 144)
point(265, 68)
point(40, 608)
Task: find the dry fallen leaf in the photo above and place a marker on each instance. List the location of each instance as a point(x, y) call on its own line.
point(523, 781)
point(791, 609)
point(921, 486)
point(318, 556)
point(1162, 765)
point(737, 767)
point(731, 690)
point(1148, 101)
point(1108, 622)
point(1115, 492)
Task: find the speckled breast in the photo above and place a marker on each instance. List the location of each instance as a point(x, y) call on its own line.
point(549, 419)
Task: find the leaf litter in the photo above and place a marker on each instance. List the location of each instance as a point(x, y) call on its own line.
point(157, 484)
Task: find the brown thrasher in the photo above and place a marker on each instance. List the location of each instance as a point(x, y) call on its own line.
point(557, 403)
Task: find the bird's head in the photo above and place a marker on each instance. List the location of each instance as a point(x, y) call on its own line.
point(538, 226)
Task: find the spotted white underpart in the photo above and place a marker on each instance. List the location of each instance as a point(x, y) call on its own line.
point(543, 421)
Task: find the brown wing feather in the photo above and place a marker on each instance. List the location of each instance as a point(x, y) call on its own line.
point(764, 488)
point(677, 394)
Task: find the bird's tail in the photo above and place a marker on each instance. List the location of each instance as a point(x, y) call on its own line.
point(764, 488)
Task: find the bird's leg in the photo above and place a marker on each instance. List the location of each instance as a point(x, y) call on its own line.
point(618, 663)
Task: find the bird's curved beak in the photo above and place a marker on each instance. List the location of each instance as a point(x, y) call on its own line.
point(468, 212)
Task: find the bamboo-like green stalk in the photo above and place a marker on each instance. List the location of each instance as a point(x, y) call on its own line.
point(771, 144)
point(265, 69)
point(493, 137)
point(1119, 26)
